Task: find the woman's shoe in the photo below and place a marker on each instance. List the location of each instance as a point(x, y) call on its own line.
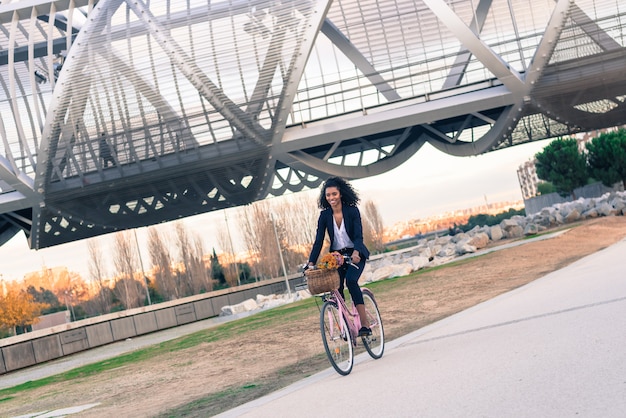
point(364, 332)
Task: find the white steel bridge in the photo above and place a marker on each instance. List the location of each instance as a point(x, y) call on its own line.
point(116, 114)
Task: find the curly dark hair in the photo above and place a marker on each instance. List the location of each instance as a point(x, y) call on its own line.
point(349, 196)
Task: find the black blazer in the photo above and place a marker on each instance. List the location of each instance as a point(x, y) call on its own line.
point(354, 228)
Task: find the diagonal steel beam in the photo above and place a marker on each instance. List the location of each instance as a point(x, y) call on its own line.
point(494, 63)
point(211, 92)
point(344, 44)
point(463, 57)
point(19, 182)
point(267, 71)
point(545, 49)
point(591, 28)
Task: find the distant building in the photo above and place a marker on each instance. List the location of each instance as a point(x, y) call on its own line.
point(528, 180)
point(527, 172)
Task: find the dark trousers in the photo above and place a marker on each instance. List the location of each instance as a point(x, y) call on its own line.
point(350, 277)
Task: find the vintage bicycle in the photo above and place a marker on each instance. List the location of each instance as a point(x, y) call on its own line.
point(340, 322)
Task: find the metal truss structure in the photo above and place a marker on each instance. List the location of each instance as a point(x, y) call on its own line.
point(116, 114)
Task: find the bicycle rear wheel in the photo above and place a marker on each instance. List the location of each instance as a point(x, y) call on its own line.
point(375, 343)
point(336, 338)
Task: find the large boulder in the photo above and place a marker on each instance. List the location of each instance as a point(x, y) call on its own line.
point(464, 247)
point(263, 299)
point(418, 263)
point(495, 232)
point(447, 251)
point(442, 240)
point(618, 204)
point(591, 213)
point(460, 237)
point(606, 209)
point(401, 270)
point(381, 273)
point(507, 224)
point(572, 216)
point(479, 240)
point(511, 228)
point(545, 218)
point(520, 220)
point(245, 306)
point(531, 229)
point(426, 252)
point(392, 270)
point(437, 261)
point(434, 249)
point(515, 232)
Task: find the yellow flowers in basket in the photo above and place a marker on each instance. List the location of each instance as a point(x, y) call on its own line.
point(330, 261)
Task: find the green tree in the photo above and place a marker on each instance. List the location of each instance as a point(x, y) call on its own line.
point(561, 164)
point(607, 157)
point(217, 271)
point(483, 219)
point(45, 297)
point(245, 273)
point(545, 187)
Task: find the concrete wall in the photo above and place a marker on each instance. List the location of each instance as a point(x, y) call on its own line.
point(50, 320)
point(39, 346)
point(536, 204)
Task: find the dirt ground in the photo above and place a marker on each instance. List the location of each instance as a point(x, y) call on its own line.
point(216, 376)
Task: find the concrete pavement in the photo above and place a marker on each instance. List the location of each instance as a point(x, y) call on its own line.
point(553, 348)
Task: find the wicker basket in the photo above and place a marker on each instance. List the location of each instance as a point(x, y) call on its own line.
point(322, 281)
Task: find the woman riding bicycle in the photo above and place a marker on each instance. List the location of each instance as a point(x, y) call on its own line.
point(340, 217)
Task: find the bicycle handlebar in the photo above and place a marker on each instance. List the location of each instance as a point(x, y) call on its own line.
point(346, 259)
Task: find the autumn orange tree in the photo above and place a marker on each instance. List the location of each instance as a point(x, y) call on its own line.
point(18, 309)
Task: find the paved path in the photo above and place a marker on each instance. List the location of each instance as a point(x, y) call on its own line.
point(553, 348)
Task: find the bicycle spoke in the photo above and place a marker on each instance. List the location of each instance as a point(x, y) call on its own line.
point(374, 343)
point(336, 339)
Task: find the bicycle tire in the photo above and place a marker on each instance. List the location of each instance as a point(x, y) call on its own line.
point(374, 343)
point(336, 338)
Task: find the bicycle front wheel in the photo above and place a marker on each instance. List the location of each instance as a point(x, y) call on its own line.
point(336, 338)
point(375, 343)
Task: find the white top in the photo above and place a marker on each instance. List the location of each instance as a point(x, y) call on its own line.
point(341, 240)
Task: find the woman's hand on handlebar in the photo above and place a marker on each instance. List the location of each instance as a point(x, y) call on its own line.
point(349, 260)
point(356, 257)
